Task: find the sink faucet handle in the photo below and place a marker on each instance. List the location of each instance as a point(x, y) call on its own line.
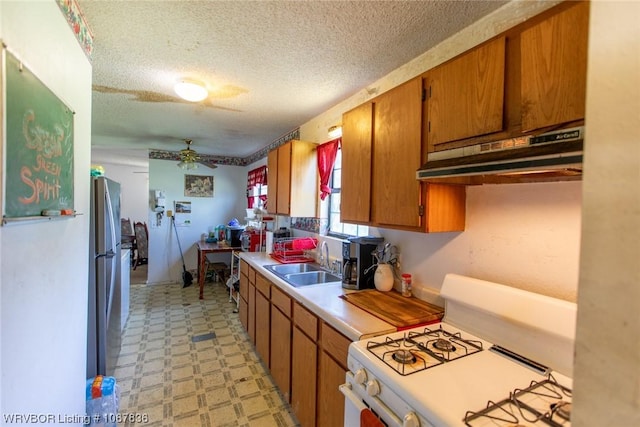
point(324, 254)
point(336, 267)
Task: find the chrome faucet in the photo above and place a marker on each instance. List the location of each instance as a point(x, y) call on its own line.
point(324, 255)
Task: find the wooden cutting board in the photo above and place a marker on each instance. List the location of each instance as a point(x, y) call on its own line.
point(395, 309)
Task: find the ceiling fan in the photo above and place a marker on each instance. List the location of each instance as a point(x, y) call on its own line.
point(188, 157)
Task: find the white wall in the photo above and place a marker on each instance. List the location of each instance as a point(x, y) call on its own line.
point(524, 235)
point(229, 201)
point(44, 265)
point(134, 188)
point(607, 377)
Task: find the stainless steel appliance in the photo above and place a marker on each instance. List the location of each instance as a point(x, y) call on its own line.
point(103, 333)
point(356, 259)
point(500, 357)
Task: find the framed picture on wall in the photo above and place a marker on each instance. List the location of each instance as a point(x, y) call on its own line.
point(198, 185)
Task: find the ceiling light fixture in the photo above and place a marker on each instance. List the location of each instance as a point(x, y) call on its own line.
point(188, 157)
point(335, 132)
point(191, 90)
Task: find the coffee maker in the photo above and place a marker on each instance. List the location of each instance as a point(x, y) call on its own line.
point(356, 259)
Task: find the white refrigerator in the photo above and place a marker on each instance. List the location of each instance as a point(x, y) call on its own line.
point(104, 329)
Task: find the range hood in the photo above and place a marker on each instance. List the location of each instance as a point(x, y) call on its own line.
point(551, 156)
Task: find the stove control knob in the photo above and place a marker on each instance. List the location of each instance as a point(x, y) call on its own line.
point(411, 420)
point(360, 376)
point(373, 388)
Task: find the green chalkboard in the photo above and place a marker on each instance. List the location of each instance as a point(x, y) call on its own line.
point(39, 145)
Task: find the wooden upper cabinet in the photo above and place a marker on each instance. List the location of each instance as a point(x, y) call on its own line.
point(554, 69)
point(466, 95)
point(272, 181)
point(355, 192)
point(397, 154)
point(283, 188)
point(293, 179)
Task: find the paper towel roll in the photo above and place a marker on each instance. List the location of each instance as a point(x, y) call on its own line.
point(269, 242)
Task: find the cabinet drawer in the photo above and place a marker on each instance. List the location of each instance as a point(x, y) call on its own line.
point(252, 275)
point(334, 344)
point(244, 268)
point(263, 285)
point(244, 287)
point(305, 320)
point(281, 300)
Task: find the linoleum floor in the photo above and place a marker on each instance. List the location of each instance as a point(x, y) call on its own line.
point(189, 362)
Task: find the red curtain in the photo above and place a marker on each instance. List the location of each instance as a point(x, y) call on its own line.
point(255, 177)
point(326, 158)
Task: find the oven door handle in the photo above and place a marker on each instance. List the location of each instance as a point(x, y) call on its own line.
point(353, 398)
point(357, 401)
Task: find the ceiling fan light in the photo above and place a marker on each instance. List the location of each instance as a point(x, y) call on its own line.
point(188, 165)
point(191, 91)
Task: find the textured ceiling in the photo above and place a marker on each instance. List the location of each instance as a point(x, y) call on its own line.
point(270, 66)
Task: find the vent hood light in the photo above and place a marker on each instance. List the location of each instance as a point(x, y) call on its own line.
point(191, 91)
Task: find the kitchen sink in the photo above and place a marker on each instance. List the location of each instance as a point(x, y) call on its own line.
point(303, 274)
point(283, 269)
point(310, 278)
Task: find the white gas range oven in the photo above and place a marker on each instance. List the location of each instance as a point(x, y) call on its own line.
point(500, 357)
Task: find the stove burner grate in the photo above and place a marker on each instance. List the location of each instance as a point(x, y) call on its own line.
point(529, 405)
point(445, 345)
point(417, 351)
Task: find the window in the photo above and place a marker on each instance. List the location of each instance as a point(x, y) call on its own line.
point(336, 227)
point(257, 187)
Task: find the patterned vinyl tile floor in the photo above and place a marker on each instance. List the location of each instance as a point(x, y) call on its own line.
point(188, 362)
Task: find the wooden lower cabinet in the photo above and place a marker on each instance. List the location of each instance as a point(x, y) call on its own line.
point(304, 363)
point(243, 306)
point(251, 313)
point(306, 357)
point(331, 374)
point(303, 378)
point(243, 310)
point(330, 401)
point(263, 322)
point(280, 360)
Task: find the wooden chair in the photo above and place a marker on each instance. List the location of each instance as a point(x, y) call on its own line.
point(142, 244)
point(127, 237)
point(216, 270)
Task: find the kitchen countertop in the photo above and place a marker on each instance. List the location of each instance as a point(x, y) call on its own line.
point(325, 302)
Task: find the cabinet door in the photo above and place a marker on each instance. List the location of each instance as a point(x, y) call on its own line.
point(303, 190)
point(355, 192)
point(283, 185)
point(281, 345)
point(243, 310)
point(251, 313)
point(304, 362)
point(397, 155)
point(272, 181)
point(466, 95)
point(263, 321)
point(330, 399)
point(554, 69)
